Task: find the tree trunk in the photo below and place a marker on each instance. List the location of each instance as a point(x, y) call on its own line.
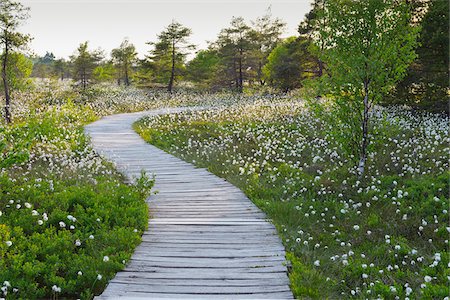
point(241, 76)
point(172, 75)
point(127, 80)
point(5, 83)
point(365, 130)
point(320, 64)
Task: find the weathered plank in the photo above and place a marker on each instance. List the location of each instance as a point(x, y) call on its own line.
point(205, 239)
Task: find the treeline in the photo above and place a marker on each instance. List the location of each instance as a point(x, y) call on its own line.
point(244, 55)
point(252, 55)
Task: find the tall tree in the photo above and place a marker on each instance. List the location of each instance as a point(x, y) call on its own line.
point(84, 63)
point(172, 46)
point(234, 46)
point(267, 31)
point(12, 14)
point(124, 57)
point(368, 45)
point(310, 27)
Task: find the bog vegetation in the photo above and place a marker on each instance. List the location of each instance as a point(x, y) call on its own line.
point(340, 137)
point(382, 235)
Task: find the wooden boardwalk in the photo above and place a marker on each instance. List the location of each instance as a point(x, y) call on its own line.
point(205, 239)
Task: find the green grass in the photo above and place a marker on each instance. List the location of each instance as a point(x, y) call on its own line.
point(68, 222)
point(375, 236)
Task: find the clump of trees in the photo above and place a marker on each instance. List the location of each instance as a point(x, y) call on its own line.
point(84, 62)
point(48, 66)
point(123, 58)
point(15, 66)
point(241, 51)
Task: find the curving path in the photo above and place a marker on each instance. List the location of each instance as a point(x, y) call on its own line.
point(205, 238)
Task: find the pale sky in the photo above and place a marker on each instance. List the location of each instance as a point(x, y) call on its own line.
point(59, 26)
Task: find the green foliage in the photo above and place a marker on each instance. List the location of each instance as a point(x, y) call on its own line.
point(124, 57)
point(104, 72)
point(288, 64)
point(49, 67)
point(426, 83)
point(12, 14)
point(84, 63)
point(19, 72)
point(368, 45)
point(203, 67)
point(169, 53)
point(234, 45)
point(266, 34)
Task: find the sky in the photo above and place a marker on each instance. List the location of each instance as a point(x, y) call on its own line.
point(59, 26)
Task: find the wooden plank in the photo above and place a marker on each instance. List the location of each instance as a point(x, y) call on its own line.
point(185, 289)
point(192, 274)
point(156, 296)
point(191, 264)
point(211, 260)
point(194, 253)
point(208, 282)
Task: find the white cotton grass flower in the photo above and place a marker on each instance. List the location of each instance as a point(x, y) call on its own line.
point(408, 291)
point(56, 289)
point(105, 258)
point(99, 277)
point(317, 263)
point(8, 243)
